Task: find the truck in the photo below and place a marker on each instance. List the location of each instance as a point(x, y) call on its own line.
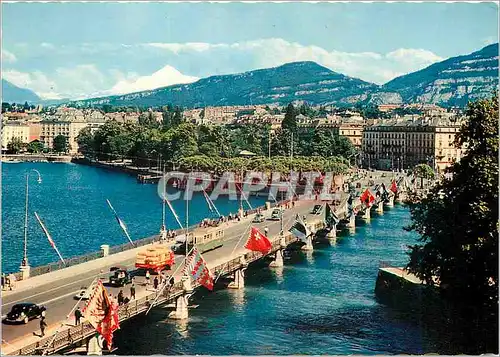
point(157, 258)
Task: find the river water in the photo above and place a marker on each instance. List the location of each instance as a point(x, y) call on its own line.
point(320, 303)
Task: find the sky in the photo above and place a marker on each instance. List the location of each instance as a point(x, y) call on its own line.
point(80, 50)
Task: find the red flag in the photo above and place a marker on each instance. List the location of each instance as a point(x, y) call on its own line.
point(198, 269)
point(394, 187)
point(102, 313)
point(367, 198)
point(258, 242)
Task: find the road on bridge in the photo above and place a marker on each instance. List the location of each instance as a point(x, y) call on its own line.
point(58, 296)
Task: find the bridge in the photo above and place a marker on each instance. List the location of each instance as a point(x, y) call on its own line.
point(56, 289)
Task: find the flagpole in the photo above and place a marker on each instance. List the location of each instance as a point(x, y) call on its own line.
point(163, 201)
point(49, 238)
point(234, 249)
point(124, 229)
point(174, 213)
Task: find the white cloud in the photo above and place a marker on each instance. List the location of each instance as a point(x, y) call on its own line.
point(369, 66)
point(166, 76)
point(8, 57)
point(202, 59)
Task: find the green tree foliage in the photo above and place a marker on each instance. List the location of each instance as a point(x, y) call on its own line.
point(34, 147)
point(458, 223)
point(85, 141)
point(15, 145)
point(423, 171)
point(147, 119)
point(60, 143)
point(290, 121)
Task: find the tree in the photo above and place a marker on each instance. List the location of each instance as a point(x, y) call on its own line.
point(85, 140)
point(458, 226)
point(60, 143)
point(423, 171)
point(290, 121)
point(35, 146)
point(15, 145)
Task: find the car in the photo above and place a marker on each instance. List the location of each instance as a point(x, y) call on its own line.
point(317, 209)
point(120, 278)
point(259, 218)
point(84, 294)
point(24, 312)
point(275, 215)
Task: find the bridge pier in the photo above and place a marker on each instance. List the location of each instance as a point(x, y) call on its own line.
point(181, 304)
point(379, 208)
point(333, 233)
point(365, 216)
point(352, 221)
point(389, 202)
point(309, 245)
point(94, 345)
point(239, 276)
point(278, 259)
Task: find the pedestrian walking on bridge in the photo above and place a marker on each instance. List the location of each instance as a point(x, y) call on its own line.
point(132, 292)
point(78, 316)
point(120, 298)
point(43, 326)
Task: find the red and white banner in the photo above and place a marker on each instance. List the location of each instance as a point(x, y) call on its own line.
point(258, 242)
point(197, 267)
point(102, 313)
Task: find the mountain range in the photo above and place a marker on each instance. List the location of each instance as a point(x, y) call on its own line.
point(14, 94)
point(452, 82)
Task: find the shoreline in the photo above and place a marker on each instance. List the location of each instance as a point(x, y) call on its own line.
point(18, 158)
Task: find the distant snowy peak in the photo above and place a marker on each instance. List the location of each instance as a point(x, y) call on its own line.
point(164, 77)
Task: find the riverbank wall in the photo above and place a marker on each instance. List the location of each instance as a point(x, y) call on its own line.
point(35, 158)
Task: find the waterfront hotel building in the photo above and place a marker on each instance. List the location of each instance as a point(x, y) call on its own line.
point(405, 142)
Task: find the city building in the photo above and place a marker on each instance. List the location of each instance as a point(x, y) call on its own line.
point(404, 143)
point(15, 130)
point(51, 129)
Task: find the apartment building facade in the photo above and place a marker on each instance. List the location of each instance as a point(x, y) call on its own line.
point(51, 129)
point(12, 131)
point(402, 144)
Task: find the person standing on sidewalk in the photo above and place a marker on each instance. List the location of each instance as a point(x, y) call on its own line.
point(155, 283)
point(43, 326)
point(78, 316)
point(147, 277)
point(132, 291)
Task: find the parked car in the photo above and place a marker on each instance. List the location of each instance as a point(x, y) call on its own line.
point(259, 218)
point(24, 312)
point(120, 278)
point(317, 209)
point(275, 215)
point(84, 294)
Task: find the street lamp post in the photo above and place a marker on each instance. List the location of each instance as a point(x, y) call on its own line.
point(24, 264)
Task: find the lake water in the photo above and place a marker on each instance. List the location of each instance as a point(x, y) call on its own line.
point(71, 201)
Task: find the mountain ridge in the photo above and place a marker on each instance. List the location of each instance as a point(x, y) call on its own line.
point(453, 81)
